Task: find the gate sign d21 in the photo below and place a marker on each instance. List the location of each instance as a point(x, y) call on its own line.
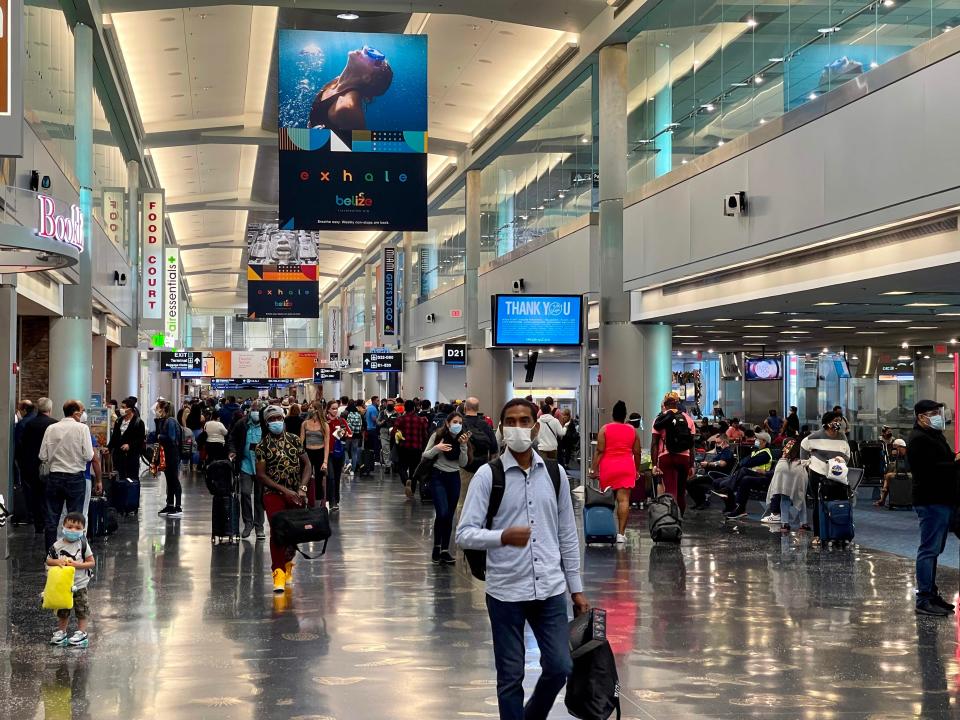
point(377, 362)
point(455, 354)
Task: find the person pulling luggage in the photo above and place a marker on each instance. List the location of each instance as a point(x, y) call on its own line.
point(819, 449)
point(283, 470)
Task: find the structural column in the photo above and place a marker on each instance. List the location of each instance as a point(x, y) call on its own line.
point(489, 371)
point(8, 405)
point(125, 372)
point(71, 336)
point(430, 379)
point(98, 377)
point(371, 383)
point(621, 368)
point(411, 381)
point(129, 336)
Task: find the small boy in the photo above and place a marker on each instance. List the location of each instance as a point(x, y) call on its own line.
point(72, 550)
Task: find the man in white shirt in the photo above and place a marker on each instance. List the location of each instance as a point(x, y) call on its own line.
point(64, 453)
point(548, 439)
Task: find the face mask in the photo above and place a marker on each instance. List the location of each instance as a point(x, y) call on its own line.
point(518, 439)
point(83, 417)
point(456, 428)
point(276, 426)
point(255, 415)
point(937, 422)
point(756, 443)
point(72, 535)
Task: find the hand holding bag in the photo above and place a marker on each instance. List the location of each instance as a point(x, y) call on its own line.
point(58, 592)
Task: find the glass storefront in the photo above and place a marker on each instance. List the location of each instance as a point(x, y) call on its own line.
point(702, 73)
point(440, 255)
point(543, 180)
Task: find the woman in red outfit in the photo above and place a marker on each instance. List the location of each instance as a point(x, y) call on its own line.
point(617, 460)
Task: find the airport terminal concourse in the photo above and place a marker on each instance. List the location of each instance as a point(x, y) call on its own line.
point(519, 359)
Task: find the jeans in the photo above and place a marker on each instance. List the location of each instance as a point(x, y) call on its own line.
point(62, 488)
point(786, 508)
point(934, 527)
point(548, 621)
point(251, 502)
point(748, 481)
point(34, 493)
point(445, 488)
point(354, 446)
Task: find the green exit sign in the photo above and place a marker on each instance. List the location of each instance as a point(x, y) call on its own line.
point(157, 340)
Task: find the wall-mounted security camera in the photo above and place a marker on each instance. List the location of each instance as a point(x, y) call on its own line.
point(119, 278)
point(34, 181)
point(430, 317)
point(518, 286)
point(735, 205)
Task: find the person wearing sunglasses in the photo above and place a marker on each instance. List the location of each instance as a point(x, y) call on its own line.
point(934, 467)
point(341, 103)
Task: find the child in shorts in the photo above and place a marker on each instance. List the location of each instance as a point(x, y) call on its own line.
point(72, 550)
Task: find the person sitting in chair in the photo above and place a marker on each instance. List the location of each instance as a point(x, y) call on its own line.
point(722, 461)
point(753, 473)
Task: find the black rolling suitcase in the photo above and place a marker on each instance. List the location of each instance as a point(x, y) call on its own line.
point(900, 492)
point(368, 460)
point(225, 520)
point(873, 458)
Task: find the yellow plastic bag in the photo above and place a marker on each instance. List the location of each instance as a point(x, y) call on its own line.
point(58, 592)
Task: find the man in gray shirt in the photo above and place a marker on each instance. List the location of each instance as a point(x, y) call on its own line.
point(533, 559)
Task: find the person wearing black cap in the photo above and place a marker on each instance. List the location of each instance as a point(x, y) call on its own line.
point(818, 449)
point(934, 468)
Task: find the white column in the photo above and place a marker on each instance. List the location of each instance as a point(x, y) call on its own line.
point(125, 372)
point(98, 378)
point(430, 375)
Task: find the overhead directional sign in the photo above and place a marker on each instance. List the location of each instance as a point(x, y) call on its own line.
point(382, 361)
point(455, 354)
point(181, 361)
point(322, 375)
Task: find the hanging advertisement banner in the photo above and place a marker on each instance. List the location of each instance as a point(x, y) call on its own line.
point(332, 340)
point(424, 271)
point(151, 236)
point(389, 285)
point(11, 81)
point(114, 215)
point(171, 298)
point(353, 131)
point(282, 291)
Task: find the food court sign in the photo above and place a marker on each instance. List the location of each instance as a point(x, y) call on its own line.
point(51, 225)
point(151, 232)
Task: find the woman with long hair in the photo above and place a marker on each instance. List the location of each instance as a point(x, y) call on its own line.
point(341, 103)
point(790, 483)
point(449, 448)
point(617, 462)
point(168, 436)
point(315, 435)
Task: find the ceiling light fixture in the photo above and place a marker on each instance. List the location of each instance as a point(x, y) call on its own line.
point(927, 304)
point(838, 327)
point(775, 59)
point(824, 304)
point(922, 327)
point(898, 292)
point(751, 23)
point(891, 321)
point(769, 312)
point(904, 345)
point(349, 15)
point(812, 96)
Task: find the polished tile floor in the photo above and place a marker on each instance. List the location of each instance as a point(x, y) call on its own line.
point(735, 623)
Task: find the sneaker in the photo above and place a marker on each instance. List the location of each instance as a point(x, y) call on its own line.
point(288, 570)
point(261, 536)
point(447, 559)
point(772, 519)
point(930, 607)
point(736, 513)
point(59, 638)
point(247, 529)
point(176, 512)
point(435, 557)
point(279, 580)
point(78, 639)
point(943, 603)
point(621, 538)
point(719, 494)
point(167, 509)
point(335, 507)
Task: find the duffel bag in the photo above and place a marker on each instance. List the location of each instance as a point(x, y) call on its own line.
point(304, 525)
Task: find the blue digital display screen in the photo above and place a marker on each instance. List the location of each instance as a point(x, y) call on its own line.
point(537, 320)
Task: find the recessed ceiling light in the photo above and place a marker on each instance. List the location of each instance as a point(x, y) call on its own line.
point(751, 23)
point(769, 312)
point(922, 327)
point(686, 325)
point(828, 30)
point(794, 332)
point(721, 340)
point(953, 341)
point(812, 96)
point(927, 304)
point(758, 79)
point(948, 314)
point(825, 304)
point(756, 336)
point(891, 321)
point(904, 345)
point(870, 332)
point(348, 16)
point(838, 327)
point(686, 336)
point(926, 357)
point(898, 292)
point(826, 350)
point(758, 326)
point(796, 320)
point(722, 319)
point(775, 59)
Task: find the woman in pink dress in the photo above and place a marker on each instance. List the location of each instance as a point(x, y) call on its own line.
point(617, 460)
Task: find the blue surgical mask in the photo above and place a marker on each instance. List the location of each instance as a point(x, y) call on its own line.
point(276, 426)
point(937, 422)
point(455, 428)
point(72, 535)
point(255, 416)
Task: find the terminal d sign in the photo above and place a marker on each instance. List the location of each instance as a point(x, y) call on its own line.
point(382, 361)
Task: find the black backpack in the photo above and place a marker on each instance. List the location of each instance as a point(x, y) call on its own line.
point(593, 688)
point(477, 559)
point(678, 436)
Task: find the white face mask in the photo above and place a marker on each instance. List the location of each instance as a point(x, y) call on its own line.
point(83, 417)
point(518, 439)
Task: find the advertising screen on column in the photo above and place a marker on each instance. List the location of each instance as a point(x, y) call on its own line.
point(282, 291)
point(353, 131)
point(537, 320)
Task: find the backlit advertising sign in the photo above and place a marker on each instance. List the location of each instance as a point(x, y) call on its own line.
point(11, 81)
point(352, 131)
point(151, 234)
point(537, 320)
point(171, 297)
point(389, 291)
point(54, 226)
point(283, 291)
point(114, 215)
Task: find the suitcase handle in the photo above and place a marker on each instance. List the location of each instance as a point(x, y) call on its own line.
point(323, 551)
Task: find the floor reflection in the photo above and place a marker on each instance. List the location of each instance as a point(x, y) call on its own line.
point(728, 624)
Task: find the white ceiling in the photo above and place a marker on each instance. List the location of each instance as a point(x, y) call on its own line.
point(206, 68)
